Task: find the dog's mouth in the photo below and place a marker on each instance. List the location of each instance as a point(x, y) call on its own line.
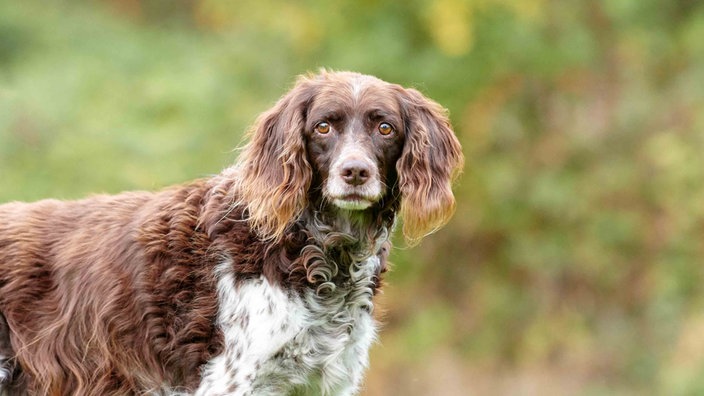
point(354, 201)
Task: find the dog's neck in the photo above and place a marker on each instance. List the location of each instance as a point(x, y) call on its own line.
point(336, 246)
point(322, 248)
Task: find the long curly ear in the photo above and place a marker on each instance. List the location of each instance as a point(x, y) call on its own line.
point(431, 160)
point(274, 171)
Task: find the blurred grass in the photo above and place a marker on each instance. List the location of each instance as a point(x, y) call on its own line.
point(574, 262)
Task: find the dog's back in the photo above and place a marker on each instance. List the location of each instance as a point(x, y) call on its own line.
point(76, 289)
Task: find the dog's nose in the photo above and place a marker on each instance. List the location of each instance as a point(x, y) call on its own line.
point(355, 172)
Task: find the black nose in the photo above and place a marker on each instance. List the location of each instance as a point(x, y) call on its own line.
point(355, 172)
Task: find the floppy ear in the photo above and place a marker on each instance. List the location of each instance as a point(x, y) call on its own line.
point(431, 160)
point(274, 171)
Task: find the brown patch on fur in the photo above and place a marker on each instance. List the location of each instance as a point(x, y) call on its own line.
point(431, 161)
point(275, 174)
point(109, 294)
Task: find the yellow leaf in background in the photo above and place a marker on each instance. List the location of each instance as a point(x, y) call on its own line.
point(297, 24)
point(451, 22)
point(304, 28)
point(525, 9)
point(215, 15)
point(451, 26)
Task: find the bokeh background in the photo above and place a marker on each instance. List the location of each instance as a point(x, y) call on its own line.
point(574, 264)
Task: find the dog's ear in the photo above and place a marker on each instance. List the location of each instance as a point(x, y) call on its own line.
point(431, 160)
point(274, 171)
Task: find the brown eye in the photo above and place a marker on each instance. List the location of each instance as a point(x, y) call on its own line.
point(322, 127)
point(385, 128)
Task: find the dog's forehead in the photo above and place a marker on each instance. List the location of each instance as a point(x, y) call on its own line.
point(356, 94)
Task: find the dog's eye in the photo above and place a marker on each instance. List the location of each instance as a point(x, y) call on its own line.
point(322, 127)
point(385, 128)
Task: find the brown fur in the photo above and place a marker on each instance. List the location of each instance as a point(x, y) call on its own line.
point(116, 294)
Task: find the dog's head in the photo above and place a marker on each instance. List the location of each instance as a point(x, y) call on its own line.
point(351, 142)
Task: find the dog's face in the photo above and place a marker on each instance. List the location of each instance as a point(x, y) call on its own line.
point(353, 141)
point(354, 136)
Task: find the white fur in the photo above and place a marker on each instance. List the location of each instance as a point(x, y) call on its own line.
point(5, 370)
point(277, 341)
point(358, 84)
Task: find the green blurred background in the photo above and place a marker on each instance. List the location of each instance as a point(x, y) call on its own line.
point(574, 263)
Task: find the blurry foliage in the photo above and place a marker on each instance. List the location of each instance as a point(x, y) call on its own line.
point(574, 262)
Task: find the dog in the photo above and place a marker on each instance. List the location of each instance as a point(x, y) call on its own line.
point(257, 281)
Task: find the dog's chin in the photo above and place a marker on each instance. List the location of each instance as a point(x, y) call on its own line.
point(353, 202)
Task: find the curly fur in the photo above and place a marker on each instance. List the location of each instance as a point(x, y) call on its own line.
point(251, 282)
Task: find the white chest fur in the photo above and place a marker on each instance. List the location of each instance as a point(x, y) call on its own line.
point(278, 342)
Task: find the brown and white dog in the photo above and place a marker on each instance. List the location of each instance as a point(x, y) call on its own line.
point(258, 281)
